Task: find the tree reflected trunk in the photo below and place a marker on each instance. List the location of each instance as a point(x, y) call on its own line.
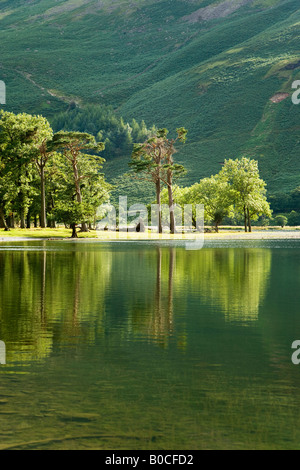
point(163, 313)
point(43, 287)
point(172, 262)
point(158, 282)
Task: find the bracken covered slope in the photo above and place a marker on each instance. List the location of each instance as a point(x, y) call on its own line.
point(223, 69)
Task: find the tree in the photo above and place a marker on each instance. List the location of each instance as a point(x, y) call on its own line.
point(70, 212)
point(153, 159)
point(21, 136)
point(216, 196)
point(46, 154)
point(147, 160)
point(84, 187)
point(281, 220)
point(248, 189)
point(6, 191)
point(174, 171)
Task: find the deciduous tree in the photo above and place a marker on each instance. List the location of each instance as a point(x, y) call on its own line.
point(248, 189)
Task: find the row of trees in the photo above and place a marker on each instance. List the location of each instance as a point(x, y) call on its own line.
point(57, 177)
point(46, 173)
point(237, 189)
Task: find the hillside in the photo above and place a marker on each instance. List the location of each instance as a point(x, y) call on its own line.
point(215, 67)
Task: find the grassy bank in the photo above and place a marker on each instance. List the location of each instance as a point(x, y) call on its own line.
point(43, 233)
point(225, 233)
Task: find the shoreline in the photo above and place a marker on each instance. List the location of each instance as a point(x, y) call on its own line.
point(106, 238)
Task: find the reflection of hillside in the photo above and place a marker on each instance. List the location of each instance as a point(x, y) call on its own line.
point(50, 294)
point(233, 280)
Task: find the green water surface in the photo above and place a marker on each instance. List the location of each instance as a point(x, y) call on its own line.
point(149, 346)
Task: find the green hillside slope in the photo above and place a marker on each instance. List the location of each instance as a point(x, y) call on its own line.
point(211, 66)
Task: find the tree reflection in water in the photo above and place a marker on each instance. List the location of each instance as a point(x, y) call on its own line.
point(72, 297)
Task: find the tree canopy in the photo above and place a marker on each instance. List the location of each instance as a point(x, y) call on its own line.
point(45, 173)
point(248, 190)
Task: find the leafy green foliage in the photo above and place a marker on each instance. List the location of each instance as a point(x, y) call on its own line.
point(153, 159)
point(66, 166)
point(248, 190)
point(21, 137)
point(281, 220)
point(236, 191)
point(85, 188)
point(150, 61)
point(217, 197)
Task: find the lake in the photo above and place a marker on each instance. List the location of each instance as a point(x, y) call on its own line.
point(132, 345)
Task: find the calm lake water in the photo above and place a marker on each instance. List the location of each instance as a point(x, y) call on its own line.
point(149, 346)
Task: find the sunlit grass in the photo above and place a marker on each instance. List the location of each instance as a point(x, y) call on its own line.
point(42, 233)
point(224, 233)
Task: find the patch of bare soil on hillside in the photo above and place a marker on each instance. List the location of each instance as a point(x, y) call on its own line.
point(279, 97)
point(220, 10)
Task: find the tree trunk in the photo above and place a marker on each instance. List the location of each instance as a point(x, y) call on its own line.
point(158, 202)
point(28, 224)
point(43, 288)
point(51, 223)
point(35, 221)
point(74, 233)
point(23, 222)
point(245, 219)
point(43, 198)
point(11, 221)
point(170, 293)
point(3, 223)
point(84, 227)
point(171, 204)
point(249, 221)
point(158, 283)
